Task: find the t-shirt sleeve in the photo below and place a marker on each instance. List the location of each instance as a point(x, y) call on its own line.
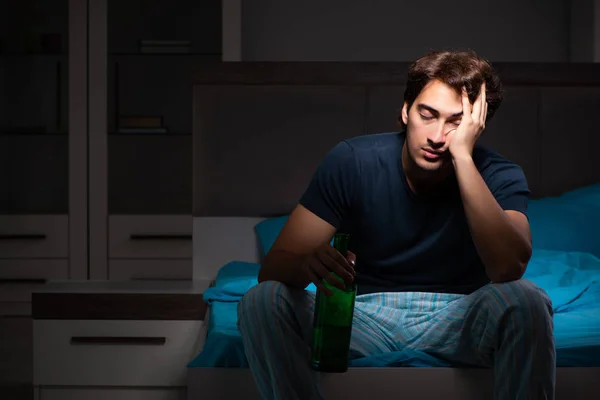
point(330, 193)
point(508, 184)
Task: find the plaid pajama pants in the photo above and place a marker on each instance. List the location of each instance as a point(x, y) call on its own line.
point(505, 326)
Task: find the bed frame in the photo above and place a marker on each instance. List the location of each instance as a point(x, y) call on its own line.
point(260, 130)
point(213, 241)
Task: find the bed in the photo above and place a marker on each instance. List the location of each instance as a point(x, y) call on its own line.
point(243, 190)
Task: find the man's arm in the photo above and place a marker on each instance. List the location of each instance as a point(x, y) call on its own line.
point(302, 233)
point(502, 238)
point(301, 253)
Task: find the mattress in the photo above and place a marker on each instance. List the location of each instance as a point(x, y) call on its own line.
point(571, 279)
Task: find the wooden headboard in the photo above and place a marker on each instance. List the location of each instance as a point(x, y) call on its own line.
point(260, 129)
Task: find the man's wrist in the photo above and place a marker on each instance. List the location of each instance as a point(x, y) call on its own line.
point(461, 158)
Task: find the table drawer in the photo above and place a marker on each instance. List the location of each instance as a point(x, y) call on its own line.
point(112, 394)
point(34, 236)
point(150, 236)
point(19, 277)
point(165, 269)
point(114, 353)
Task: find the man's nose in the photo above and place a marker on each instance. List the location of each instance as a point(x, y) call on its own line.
point(437, 138)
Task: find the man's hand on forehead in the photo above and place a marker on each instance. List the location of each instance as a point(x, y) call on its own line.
point(463, 139)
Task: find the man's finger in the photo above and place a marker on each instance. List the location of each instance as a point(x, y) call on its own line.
point(319, 268)
point(484, 104)
point(337, 263)
point(319, 283)
point(467, 110)
point(477, 107)
point(325, 270)
point(339, 258)
point(335, 282)
point(485, 109)
point(351, 257)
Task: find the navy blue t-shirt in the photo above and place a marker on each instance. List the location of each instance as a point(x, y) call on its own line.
point(404, 242)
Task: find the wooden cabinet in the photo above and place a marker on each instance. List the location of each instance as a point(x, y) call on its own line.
point(81, 199)
point(116, 340)
point(111, 394)
point(146, 247)
point(113, 352)
point(141, 166)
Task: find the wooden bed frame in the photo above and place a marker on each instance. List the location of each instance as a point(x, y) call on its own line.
point(260, 130)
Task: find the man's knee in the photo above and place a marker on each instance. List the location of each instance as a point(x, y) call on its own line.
point(521, 297)
point(260, 292)
point(259, 301)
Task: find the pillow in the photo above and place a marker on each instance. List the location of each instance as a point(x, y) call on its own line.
point(570, 222)
point(233, 271)
point(571, 279)
point(267, 231)
point(586, 194)
point(233, 280)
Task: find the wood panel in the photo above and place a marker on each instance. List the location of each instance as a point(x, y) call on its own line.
point(261, 129)
point(383, 108)
point(571, 138)
point(118, 306)
point(514, 132)
point(275, 135)
point(149, 174)
point(381, 73)
point(39, 180)
point(15, 351)
point(76, 393)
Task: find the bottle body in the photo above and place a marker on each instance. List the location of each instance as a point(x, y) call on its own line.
point(332, 324)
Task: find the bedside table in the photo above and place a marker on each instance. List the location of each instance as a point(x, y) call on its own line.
point(116, 340)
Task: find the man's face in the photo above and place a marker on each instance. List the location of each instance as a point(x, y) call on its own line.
point(435, 112)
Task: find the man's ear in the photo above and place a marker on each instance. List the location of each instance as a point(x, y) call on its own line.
point(404, 113)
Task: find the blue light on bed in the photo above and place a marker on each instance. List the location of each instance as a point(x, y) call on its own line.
point(571, 279)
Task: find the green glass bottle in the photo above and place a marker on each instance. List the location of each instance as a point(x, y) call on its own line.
point(332, 324)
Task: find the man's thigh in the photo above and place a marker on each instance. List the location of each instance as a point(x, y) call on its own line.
point(385, 322)
point(464, 329)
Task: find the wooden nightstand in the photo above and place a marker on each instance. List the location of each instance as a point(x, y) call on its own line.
point(116, 340)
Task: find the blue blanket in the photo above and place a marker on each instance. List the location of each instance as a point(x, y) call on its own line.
point(571, 279)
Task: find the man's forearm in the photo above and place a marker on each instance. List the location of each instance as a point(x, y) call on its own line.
point(503, 249)
point(283, 267)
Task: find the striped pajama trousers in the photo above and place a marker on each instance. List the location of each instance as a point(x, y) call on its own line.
point(504, 326)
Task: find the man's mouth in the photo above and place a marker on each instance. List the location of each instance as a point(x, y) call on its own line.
point(432, 154)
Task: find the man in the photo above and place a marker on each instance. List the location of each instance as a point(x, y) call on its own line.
point(439, 240)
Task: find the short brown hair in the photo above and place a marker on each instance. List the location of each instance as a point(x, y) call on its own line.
point(456, 69)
